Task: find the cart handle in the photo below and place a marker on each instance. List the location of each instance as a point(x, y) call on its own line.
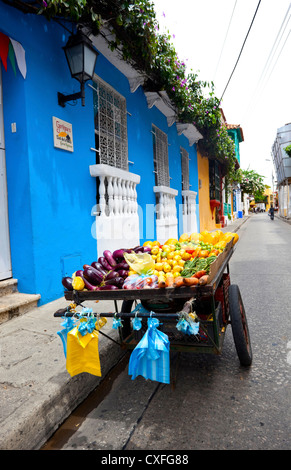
point(66, 313)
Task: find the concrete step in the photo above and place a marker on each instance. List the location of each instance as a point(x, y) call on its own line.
point(16, 304)
point(8, 286)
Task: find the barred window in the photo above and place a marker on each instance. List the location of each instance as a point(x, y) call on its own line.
point(185, 169)
point(161, 160)
point(110, 119)
point(214, 180)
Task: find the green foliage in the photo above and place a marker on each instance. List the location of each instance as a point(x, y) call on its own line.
point(73, 10)
point(288, 150)
point(251, 183)
point(136, 34)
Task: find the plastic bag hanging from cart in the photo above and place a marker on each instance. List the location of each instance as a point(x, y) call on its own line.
point(82, 347)
point(68, 324)
point(187, 324)
point(136, 321)
point(151, 356)
point(116, 323)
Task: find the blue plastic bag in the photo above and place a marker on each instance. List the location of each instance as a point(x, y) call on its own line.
point(86, 326)
point(151, 356)
point(136, 321)
point(117, 323)
point(68, 323)
point(188, 326)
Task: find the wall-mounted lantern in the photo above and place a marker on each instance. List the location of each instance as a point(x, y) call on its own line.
point(81, 57)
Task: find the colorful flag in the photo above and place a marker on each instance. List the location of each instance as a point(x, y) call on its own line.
point(9, 48)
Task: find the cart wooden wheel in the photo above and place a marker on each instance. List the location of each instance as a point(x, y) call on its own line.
point(239, 325)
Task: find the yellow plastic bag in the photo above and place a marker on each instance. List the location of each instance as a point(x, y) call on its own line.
point(141, 263)
point(83, 351)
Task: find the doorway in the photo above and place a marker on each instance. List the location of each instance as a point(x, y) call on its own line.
point(5, 256)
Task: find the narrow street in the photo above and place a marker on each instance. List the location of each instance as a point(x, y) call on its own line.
point(216, 404)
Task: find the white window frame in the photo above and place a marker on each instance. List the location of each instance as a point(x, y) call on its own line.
point(161, 157)
point(111, 146)
point(185, 169)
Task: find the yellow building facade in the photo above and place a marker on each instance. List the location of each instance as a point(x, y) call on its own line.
point(270, 198)
point(207, 218)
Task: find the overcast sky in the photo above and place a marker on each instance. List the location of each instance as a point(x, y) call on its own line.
point(210, 34)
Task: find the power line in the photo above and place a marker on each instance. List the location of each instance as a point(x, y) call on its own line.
point(276, 43)
point(225, 39)
point(272, 53)
point(278, 56)
point(241, 50)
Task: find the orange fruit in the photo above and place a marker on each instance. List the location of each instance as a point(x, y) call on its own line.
point(196, 237)
point(171, 241)
point(149, 243)
point(166, 267)
point(159, 266)
point(203, 254)
point(184, 237)
point(186, 256)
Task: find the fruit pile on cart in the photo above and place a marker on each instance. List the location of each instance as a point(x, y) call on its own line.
point(176, 296)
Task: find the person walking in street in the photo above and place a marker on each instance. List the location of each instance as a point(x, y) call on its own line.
point(271, 212)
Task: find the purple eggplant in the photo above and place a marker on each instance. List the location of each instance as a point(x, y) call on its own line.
point(111, 275)
point(99, 267)
point(138, 249)
point(93, 276)
point(88, 284)
point(99, 271)
point(118, 254)
point(123, 273)
point(102, 260)
point(122, 265)
point(67, 283)
point(107, 287)
point(117, 281)
point(147, 249)
point(109, 257)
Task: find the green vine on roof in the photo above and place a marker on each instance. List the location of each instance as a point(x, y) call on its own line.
point(137, 35)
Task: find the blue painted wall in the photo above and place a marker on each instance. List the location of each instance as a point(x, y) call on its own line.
point(235, 135)
point(50, 191)
point(140, 147)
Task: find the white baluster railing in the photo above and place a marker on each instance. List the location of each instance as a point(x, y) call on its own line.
point(166, 222)
point(117, 222)
point(189, 211)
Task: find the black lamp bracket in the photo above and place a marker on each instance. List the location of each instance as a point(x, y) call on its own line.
point(62, 99)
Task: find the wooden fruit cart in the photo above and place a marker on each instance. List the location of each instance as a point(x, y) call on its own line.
point(216, 305)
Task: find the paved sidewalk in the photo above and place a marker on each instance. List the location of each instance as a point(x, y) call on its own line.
point(236, 224)
point(284, 219)
point(36, 392)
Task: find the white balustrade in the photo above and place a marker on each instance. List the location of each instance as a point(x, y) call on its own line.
point(117, 222)
point(189, 211)
point(166, 222)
